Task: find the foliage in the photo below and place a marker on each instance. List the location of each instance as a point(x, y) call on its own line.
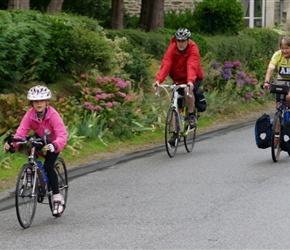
point(218, 17)
point(12, 109)
point(175, 20)
point(87, 51)
point(228, 48)
point(153, 43)
point(25, 42)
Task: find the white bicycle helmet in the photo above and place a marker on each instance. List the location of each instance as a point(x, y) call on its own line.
point(182, 34)
point(38, 93)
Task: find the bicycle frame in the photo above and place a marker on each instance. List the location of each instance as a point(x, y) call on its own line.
point(174, 99)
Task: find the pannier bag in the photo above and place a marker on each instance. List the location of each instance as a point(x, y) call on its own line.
point(285, 137)
point(263, 130)
point(200, 101)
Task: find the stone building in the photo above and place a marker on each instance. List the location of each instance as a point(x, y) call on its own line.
point(258, 13)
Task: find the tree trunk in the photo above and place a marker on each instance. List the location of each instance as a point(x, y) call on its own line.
point(54, 6)
point(145, 9)
point(18, 4)
point(117, 14)
point(152, 15)
point(157, 15)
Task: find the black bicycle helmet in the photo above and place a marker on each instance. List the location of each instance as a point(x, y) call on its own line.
point(182, 34)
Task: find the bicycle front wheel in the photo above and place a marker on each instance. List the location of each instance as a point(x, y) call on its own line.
point(171, 132)
point(275, 137)
point(61, 172)
point(25, 199)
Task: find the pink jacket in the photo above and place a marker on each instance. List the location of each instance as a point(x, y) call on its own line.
point(182, 68)
point(52, 121)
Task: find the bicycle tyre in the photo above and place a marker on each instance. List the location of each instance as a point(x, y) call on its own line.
point(169, 130)
point(61, 171)
point(189, 138)
point(25, 200)
point(276, 149)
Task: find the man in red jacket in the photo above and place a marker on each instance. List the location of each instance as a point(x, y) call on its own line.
point(182, 63)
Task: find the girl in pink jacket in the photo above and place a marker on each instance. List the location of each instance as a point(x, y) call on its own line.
point(39, 118)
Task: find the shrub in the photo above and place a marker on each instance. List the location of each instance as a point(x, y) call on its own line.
point(23, 40)
point(88, 50)
point(228, 48)
point(175, 20)
point(218, 17)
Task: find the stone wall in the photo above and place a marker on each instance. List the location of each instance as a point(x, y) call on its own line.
point(133, 7)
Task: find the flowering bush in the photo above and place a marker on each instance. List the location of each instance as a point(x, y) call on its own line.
point(102, 94)
point(231, 78)
point(112, 99)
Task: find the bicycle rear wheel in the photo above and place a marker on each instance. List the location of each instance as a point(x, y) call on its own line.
point(171, 127)
point(276, 133)
point(61, 171)
point(189, 138)
point(25, 199)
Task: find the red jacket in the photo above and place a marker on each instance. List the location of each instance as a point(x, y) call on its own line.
point(182, 68)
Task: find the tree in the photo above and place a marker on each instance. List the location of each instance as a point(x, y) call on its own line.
point(152, 14)
point(18, 4)
point(117, 14)
point(54, 6)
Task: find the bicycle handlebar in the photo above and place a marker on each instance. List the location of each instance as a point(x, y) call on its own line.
point(32, 139)
point(172, 87)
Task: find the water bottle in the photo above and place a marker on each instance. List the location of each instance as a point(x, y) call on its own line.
point(42, 170)
point(286, 116)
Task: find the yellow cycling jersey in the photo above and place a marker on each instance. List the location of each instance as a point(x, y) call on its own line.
point(282, 64)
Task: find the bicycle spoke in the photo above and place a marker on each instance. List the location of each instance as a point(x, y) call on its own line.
point(171, 127)
point(25, 199)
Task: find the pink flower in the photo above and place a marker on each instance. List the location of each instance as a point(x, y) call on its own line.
point(98, 97)
point(97, 90)
point(121, 94)
point(130, 97)
point(77, 84)
point(109, 105)
point(98, 108)
point(83, 76)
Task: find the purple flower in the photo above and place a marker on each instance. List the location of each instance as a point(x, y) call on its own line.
point(227, 72)
point(214, 65)
point(248, 80)
point(226, 77)
point(228, 64)
point(249, 96)
point(241, 74)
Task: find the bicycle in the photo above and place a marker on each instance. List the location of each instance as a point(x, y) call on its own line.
point(177, 121)
point(31, 187)
point(281, 88)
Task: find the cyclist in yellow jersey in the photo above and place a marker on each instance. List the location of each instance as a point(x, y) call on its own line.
point(280, 61)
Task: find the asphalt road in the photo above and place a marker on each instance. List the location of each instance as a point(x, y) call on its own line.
point(226, 194)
